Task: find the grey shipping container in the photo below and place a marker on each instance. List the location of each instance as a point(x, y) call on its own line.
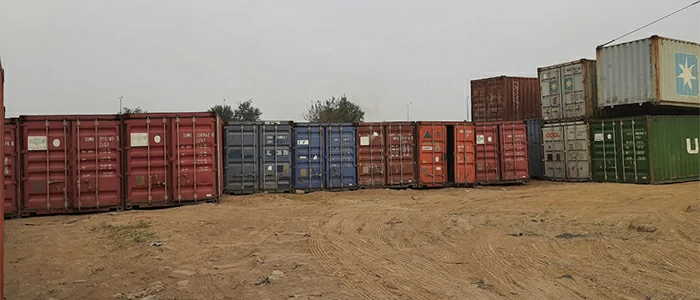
point(567, 151)
point(534, 145)
point(259, 157)
point(568, 91)
point(655, 70)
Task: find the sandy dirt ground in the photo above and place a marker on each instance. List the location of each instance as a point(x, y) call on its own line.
point(542, 240)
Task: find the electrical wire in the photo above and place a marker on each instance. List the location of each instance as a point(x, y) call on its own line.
point(647, 25)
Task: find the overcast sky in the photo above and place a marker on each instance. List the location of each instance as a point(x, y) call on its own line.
point(79, 56)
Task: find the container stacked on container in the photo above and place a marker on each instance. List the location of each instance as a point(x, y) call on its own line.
point(638, 82)
point(569, 100)
point(500, 108)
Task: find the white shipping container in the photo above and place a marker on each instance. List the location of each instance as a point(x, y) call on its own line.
point(654, 70)
point(567, 155)
point(568, 91)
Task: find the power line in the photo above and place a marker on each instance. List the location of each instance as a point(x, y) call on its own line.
point(647, 25)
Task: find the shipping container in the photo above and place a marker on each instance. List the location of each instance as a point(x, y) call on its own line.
point(647, 149)
point(567, 151)
point(258, 157)
point(655, 70)
point(325, 156)
point(172, 159)
point(534, 148)
point(501, 152)
point(70, 164)
point(568, 91)
point(11, 178)
point(371, 154)
point(2, 222)
point(445, 154)
point(400, 159)
point(505, 99)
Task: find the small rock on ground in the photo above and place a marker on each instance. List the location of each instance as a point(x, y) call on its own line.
point(275, 277)
point(183, 283)
point(181, 274)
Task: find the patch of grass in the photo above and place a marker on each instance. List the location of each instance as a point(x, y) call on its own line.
point(129, 234)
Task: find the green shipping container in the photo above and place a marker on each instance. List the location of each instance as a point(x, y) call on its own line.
point(647, 149)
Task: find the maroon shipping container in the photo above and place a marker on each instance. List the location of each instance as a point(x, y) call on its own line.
point(505, 99)
point(501, 152)
point(370, 155)
point(11, 170)
point(172, 159)
point(70, 164)
point(385, 154)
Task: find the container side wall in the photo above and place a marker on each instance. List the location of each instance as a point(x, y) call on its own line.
point(620, 150)
point(242, 158)
point(505, 99)
point(534, 148)
point(400, 154)
point(97, 147)
point(578, 157)
point(147, 163)
point(465, 167)
point(626, 74)
point(276, 157)
point(370, 155)
point(11, 171)
point(341, 156)
point(195, 170)
point(513, 148)
point(431, 158)
point(488, 158)
point(675, 148)
point(678, 72)
point(309, 152)
point(554, 151)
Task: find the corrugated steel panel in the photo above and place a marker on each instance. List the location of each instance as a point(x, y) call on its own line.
point(648, 149)
point(534, 148)
point(505, 99)
point(567, 151)
point(371, 147)
point(11, 171)
point(400, 154)
point(276, 156)
point(463, 171)
point(488, 158)
point(325, 156)
point(569, 91)
point(342, 157)
point(309, 156)
point(501, 152)
point(242, 158)
point(654, 70)
point(446, 154)
point(172, 159)
point(71, 164)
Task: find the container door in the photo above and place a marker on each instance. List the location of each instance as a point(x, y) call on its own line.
point(535, 148)
point(147, 163)
point(574, 91)
point(11, 173)
point(464, 167)
point(578, 156)
point(401, 171)
point(554, 151)
point(195, 142)
point(308, 160)
point(513, 143)
point(370, 155)
point(98, 165)
point(342, 170)
point(604, 150)
point(46, 166)
point(634, 151)
point(432, 146)
point(488, 159)
point(550, 86)
point(242, 159)
point(276, 141)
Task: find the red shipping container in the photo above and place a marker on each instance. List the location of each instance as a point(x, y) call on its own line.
point(370, 155)
point(400, 154)
point(70, 164)
point(505, 99)
point(501, 152)
point(446, 153)
point(172, 159)
point(11, 170)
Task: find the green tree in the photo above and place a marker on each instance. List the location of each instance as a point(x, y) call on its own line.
point(133, 110)
point(246, 112)
point(334, 110)
point(224, 111)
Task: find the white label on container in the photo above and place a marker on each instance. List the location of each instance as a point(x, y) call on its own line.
point(156, 139)
point(56, 143)
point(489, 139)
point(598, 137)
point(302, 142)
point(36, 143)
point(208, 195)
point(364, 141)
point(427, 148)
point(269, 168)
point(437, 159)
point(315, 157)
point(438, 168)
point(139, 139)
point(609, 136)
point(479, 139)
point(302, 157)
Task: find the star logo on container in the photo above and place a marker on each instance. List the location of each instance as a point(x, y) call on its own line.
point(686, 74)
point(553, 87)
point(568, 83)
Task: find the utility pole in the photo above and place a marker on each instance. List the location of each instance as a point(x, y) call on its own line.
point(408, 110)
point(466, 103)
point(121, 107)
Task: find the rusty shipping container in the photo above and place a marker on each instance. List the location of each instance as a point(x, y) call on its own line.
point(172, 159)
point(371, 147)
point(2, 191)
point(569, 91)
point(11, 170)
point(501, 152)
point(445, 154)
point(70, 164)
point(385, 154)
point(658, 71)
point(505, 99)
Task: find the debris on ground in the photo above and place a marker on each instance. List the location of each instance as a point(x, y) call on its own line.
point(643, 228)
point(156, 244)
point(568, 235)
point(274, 277)
point(181, 274)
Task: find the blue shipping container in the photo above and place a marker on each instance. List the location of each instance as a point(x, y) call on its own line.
point(258, 157)
point(325, 156)
point(534, 148)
